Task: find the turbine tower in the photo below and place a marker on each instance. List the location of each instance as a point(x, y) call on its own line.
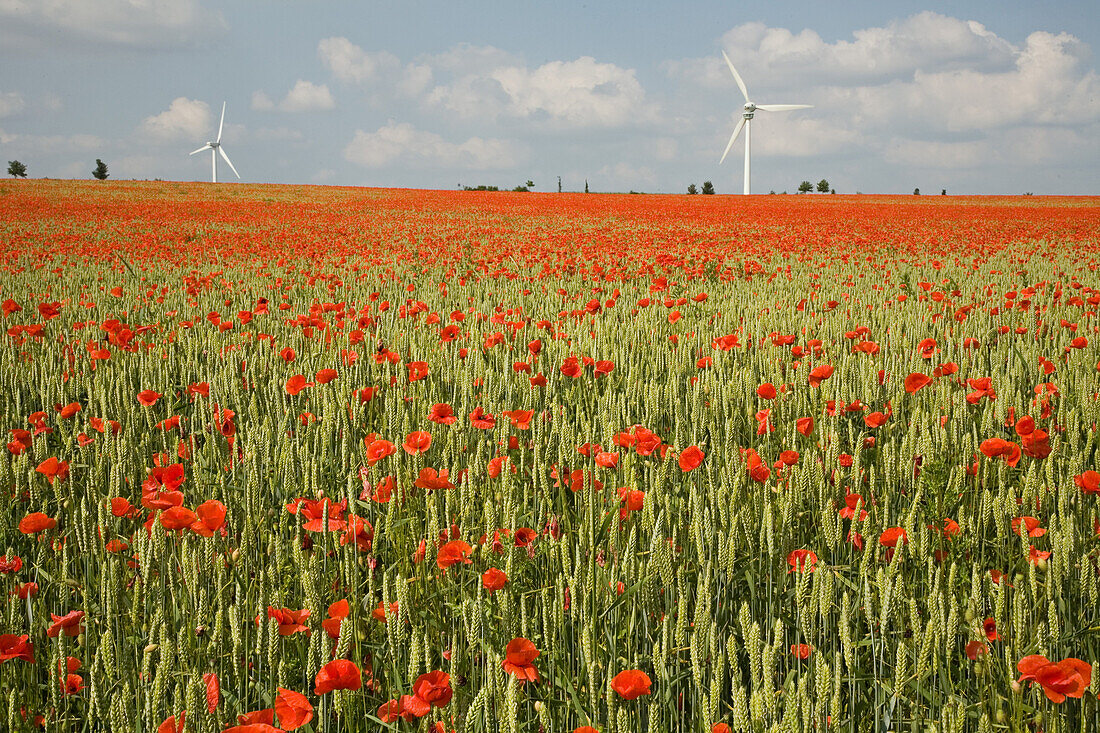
point(747, 115)
point(215, 148)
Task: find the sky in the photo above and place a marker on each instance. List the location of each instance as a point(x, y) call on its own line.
point(980, 97)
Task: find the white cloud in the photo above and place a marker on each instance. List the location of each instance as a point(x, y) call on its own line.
point(184, 119)
point(134, 23)
point(306, 96)
point(262, 102)
point(11, 103)
point(414, 79)
point(580, 93)
point(401, 142)
point(926, 92)
point(351, 63)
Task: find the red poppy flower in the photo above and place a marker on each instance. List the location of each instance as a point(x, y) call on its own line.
point(820, 373)
point(989, 626)
point(976, 648)
point(999, 447)
point(800, 651)
point(293, 709)
point(916, 381)
point(148, 397)
point(337, 612)
point(493, 579)
point(804, 425)
point(378, 450)
point(690, 458)
point(289, 620)
point(766, 391)
point(453, 553)
point(1088, 482)
point(801, 561)
point(1059, 680)
point(892, 536)
point(53, 469)
point(521, 419)
point(631, 683)
point(482, 420)
point(16, 647)
point(296, 384)
point(339, 674)
point(71, 624)
point(213, 691)
point(442, 413)
point(36, 522)
point(210, 518)
point(417, 370)
point(417, 442)
point(1030, 525)
point(519, 655)
point(178, 518)
point(171, 725)
point(434, 688)
point(389, 712)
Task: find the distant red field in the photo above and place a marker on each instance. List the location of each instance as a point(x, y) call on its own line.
point(304, 458)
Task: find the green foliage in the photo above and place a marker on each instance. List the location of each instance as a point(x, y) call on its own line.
point(823, 186)
point(805, 187)
point(708, 188)
point(17, 169)
point(100, 172)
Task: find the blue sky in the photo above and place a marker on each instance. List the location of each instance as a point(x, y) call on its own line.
point(997, 98)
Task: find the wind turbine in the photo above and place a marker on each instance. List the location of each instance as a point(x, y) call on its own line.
point(215, 148)
point(746, 117)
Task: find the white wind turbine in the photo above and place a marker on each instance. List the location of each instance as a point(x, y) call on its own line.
point(215, 148)
point(746, 117)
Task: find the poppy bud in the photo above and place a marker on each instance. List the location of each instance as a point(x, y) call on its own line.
point(151, 648)
point(234, 557)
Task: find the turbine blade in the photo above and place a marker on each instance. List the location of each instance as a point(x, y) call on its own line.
point(782, 107)
point(204, 147)
point(736, 76)
point(222, 123)
point(736, 132)
point(222, 151)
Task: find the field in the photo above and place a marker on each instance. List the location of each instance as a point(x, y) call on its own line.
point(335, 459)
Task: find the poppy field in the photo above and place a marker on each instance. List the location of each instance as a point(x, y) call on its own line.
point(329, 459)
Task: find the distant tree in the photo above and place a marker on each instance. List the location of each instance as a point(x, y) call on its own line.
point(100, 172)
point(832, 190)
point(559, 184)
point(529, 185)
point(586, 185)
point(708, 187)
point(823, 186)
point(692, 189)
point(17, 169)
point(772, 192)
point(805, 187)
point(916, 192)
point(943, 192)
